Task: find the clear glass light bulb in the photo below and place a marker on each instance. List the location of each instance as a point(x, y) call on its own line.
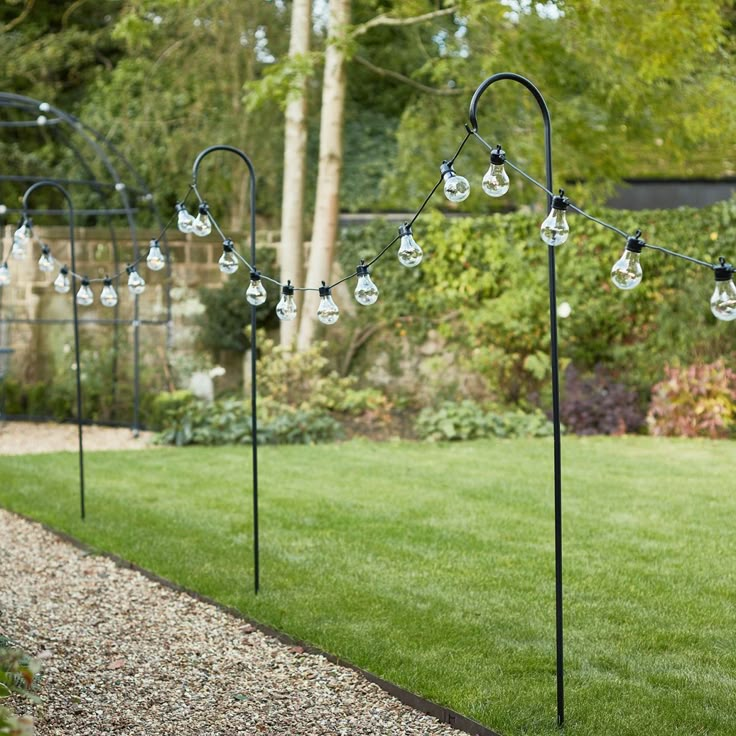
point(286, 308)
point(626, 272)
point(21, 241)
point(228, 262)
point(46, 261)
point(108, 297)
point(496, 181)
point(328, 312)
point(457, 188)
point(723, 301)
point(136, 284)
point(4, 275)
point(255, 294)
point(410, 254)
point(62, 283)
point(202, 225)
point(184, 220)
point(85, 297)
point(555, 229)
point(366, 292)
point(155, 259)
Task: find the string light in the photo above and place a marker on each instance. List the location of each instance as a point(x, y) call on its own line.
point(62, 282)
point(626, 272)
point(457, 188)
point(410, 254)
point(496, 181)
point(22, 239)
point(228, 260)
point(255, 294)
point(723, 301)
point(555, 229)
point(185, 222)
point(155, 259)
point(46, 261)
point(108, 297)
point(328, 312)
point(366, 292)
point(85, 297)
point(286, 308)
point(136, 284)
point(202, 225)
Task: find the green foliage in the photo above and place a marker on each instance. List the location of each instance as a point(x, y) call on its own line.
point(596, 81)
point(694, 401)
point(482, 292)
point(433, 567)
point(465, 420)
point(17, 675)
point(228, 422)
point(225, 322)
point(301, 400)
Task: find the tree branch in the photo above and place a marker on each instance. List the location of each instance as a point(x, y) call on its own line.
point(387, 20)
point(408, 80)
point(16, 21)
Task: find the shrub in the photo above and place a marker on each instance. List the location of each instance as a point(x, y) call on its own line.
point(17, 675)
point(228, 422)
point(694, 401)
point(598, 404)
point(466, 420)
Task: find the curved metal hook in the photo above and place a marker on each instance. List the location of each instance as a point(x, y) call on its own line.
point(473, 115)
point(232, 149)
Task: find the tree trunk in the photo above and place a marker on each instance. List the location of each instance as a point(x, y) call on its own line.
point(291, 249)
point(326, 212)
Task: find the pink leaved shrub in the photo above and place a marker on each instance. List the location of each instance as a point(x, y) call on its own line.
point(694, 401)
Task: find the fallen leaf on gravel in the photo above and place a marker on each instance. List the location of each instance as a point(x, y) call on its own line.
point(116, 664)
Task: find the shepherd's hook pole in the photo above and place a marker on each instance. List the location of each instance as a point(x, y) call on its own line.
point(254, 419)
point(554, 356)
point(77, 357)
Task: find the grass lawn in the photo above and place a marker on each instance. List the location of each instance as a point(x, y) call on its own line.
point(433, 566)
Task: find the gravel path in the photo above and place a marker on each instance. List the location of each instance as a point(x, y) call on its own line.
point(124, 655)
point(22, 438)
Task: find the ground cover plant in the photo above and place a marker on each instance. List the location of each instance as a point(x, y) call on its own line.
point(434, 569)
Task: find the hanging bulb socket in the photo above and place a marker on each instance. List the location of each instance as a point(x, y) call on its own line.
point(560, 201)
point(287, 289)
point(324, 290)
point(634, 244)
point(498, 156)
point(724, 271)
point(362, 269)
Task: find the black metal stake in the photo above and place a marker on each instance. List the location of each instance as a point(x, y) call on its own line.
point(77, 356)
point(253, 356)
point(554, 357)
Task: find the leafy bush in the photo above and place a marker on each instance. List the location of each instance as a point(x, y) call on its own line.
point(228, 421)
point(224, 324)
point(483, 287)
point(694, 401)
point(466, 420)
point(598, 404)
point(17, 675)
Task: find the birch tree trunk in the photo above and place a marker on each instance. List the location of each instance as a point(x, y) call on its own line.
point(326, 212)
point(291, 248)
